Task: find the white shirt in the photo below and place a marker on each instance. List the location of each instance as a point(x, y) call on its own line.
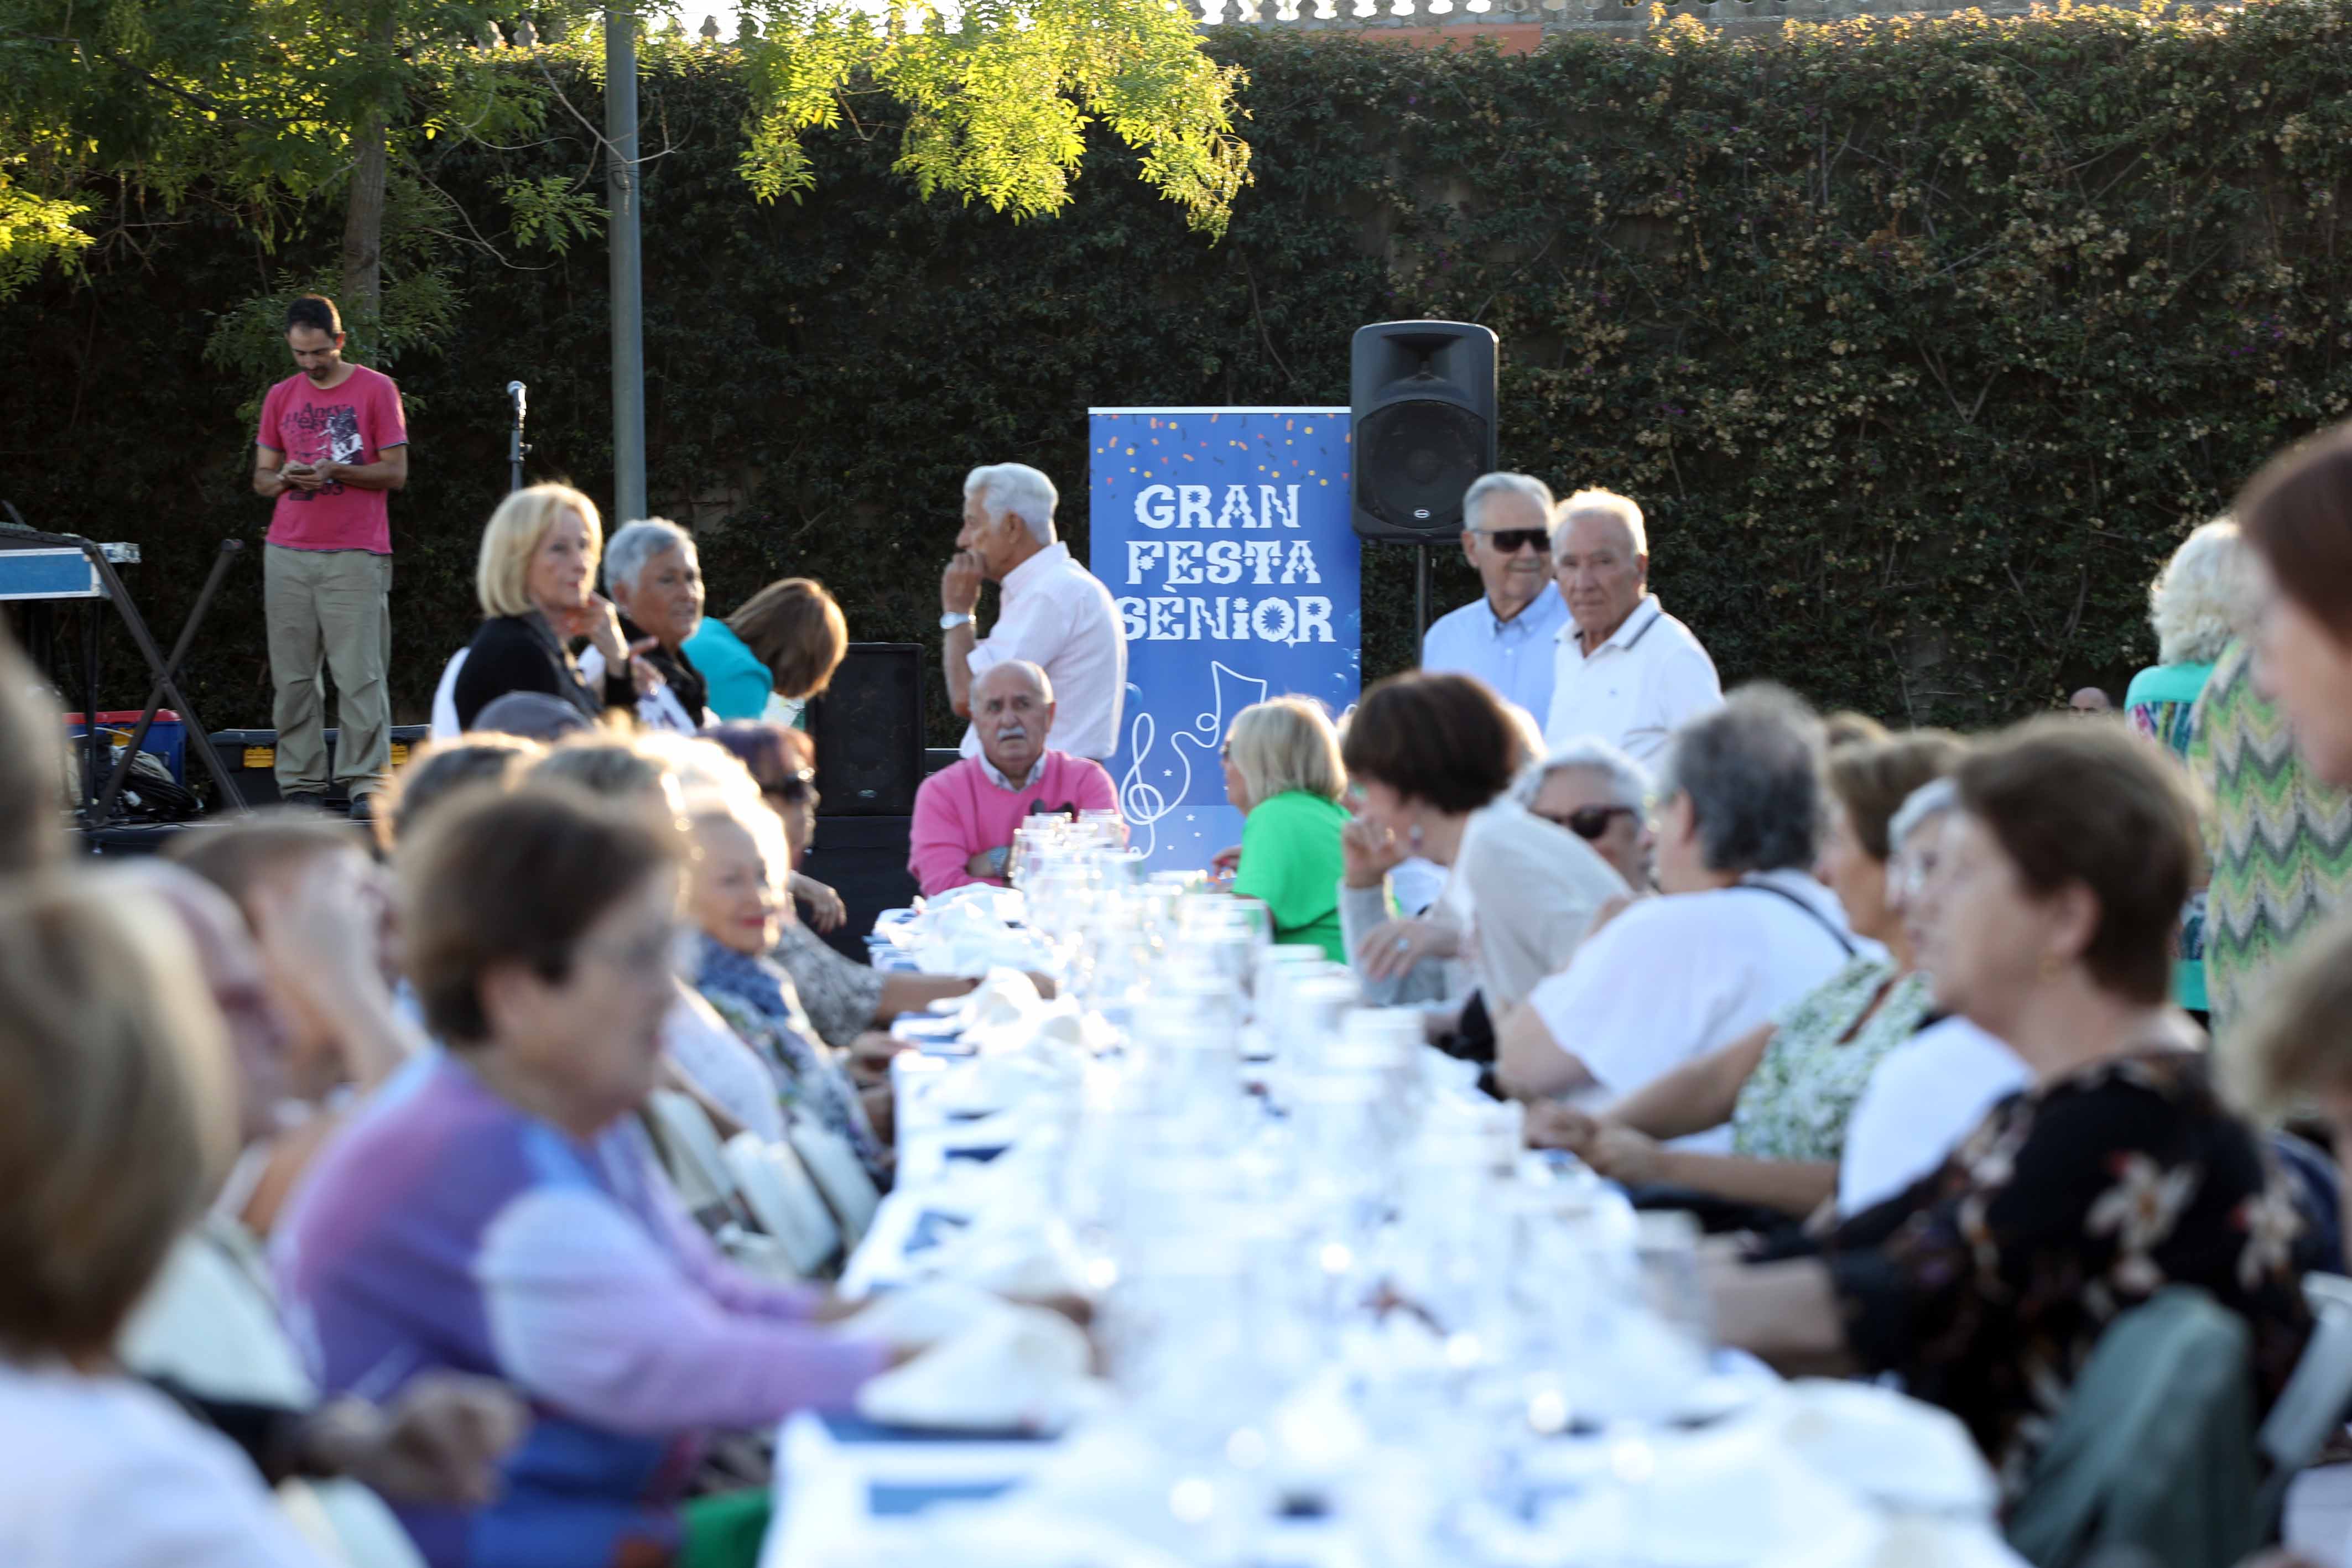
point(1633, 689)
point(1534, 889)
point(1057, 615)
point(1518, 657)
point(1923, 1098)
point(1676, 977)
point(102, 1472)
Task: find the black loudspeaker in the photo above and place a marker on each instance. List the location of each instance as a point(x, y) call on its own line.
point(868, 729)
point(1421, 397)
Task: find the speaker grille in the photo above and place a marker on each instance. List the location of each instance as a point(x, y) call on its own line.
point(1414, 460)
point(868, 729)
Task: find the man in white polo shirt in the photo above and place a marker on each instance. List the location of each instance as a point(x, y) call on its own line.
point(1628, 672)
point(1507, 636)
point(1055, 614)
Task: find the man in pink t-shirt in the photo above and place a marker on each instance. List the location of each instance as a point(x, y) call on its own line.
point(331, 448)
point(965, 815)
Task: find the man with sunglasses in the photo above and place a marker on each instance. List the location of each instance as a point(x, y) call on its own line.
point(1508, 637)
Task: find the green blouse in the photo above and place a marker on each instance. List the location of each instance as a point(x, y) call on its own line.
point(1290, 861)
point(1795, 1104)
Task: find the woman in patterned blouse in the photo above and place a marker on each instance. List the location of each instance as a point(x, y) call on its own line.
point(1986, 1285)
point(1787, 1088)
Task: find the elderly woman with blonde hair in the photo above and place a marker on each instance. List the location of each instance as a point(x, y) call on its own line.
point(1283, 770)
point(536, 579)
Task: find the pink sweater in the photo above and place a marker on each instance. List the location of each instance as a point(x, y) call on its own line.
point(959, 811)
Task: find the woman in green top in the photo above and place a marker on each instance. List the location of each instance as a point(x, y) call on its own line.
point(2204, 590)
point(1283, 769)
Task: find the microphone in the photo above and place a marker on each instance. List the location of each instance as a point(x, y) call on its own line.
point(516, 391)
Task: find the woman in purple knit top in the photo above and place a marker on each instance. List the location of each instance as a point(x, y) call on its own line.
point(496, 1209)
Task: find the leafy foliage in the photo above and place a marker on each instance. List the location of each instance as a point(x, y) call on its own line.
point(1921, 343)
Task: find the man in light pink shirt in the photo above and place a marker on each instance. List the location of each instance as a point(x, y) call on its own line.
point(965, 815)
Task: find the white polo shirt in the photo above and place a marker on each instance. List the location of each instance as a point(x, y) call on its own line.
point(1056, 614)
point(1633, 689)
point(1518, 657)
point(1679, 975)
point(1923, 1098)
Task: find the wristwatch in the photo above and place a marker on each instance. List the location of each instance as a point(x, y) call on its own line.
point(998, 859)
point(955, 618)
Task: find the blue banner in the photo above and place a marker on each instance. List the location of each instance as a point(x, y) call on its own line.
point(1222, 533)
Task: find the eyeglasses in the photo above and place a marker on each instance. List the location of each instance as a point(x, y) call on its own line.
point(1511, 542)
point(1589, 822)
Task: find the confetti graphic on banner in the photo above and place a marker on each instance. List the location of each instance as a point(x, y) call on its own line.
point(1222, 534)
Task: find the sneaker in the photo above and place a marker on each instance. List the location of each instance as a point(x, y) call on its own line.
point(308, 801)
point(363, 807)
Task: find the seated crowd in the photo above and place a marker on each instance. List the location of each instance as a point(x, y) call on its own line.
point(1894, 1011)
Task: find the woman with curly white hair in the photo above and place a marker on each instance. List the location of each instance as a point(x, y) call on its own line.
point(2195, 604)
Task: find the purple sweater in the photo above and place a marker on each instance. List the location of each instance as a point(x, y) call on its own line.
point(447, 1229)
point(959, 811)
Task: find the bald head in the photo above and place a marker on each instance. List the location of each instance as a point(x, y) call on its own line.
point(1013, 710)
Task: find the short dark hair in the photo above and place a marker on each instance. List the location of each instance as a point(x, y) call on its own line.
point(2094, 804)
point(446, 769)
point(1871, 779)
point(1442, 740)
point(1752, 771)
point(514, 878)
point(796, 628)
point(315, 310)
point(2297, 513)
point(238, 855)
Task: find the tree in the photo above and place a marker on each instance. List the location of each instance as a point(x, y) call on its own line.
point(114, 119)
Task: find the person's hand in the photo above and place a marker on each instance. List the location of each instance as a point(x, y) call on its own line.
point(1226, 861)
point(1367, 853)
point(826, 912)
point(643, 677)
point(440, 1441)
point(1624, 1156)
point(870, 1054)
point(301, 477)
point(331, 471)
point(1552, 1125)
point(960, 584)
point(597, 621)
point(982, 867)
point(881, 1111)
point(1394, 946)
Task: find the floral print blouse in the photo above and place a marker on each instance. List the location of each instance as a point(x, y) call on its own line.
point(1986, 1285)
point(1794, 1106)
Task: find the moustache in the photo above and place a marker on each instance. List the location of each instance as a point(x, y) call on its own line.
point(1011, 732)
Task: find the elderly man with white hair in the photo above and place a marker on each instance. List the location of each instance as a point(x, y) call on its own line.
point(1055, 614)
point(966, 814)
point(1627, 671)
point(1508, 637)
point(653, 574)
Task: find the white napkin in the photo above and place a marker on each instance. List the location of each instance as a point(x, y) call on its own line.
point(921, 1316)
point(1901, 1542)
point(1023, 1256)
point(1004, 995)
point(1020, 1369)
point(1727, 1502)
point(1896, 1452)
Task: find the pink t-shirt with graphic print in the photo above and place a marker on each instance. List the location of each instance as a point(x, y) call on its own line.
point(353, 423)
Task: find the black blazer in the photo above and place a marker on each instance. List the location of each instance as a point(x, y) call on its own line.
point(522, 653)
point(685, 682)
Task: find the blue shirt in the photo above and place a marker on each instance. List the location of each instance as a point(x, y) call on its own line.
point(1516, 657)
point(739, 683)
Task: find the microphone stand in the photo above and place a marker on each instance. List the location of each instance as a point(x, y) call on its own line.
point(517, 394)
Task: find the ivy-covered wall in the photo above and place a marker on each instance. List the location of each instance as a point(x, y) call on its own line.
point(1920, 343)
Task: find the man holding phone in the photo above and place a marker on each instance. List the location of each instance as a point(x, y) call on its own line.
point(331, 448)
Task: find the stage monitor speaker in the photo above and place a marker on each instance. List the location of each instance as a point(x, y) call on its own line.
point(868, 729)
point(1422, 400)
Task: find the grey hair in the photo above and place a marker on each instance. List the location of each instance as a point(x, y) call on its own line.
point(1752, 770)
point(2205, 595)
point(1487, 486)
point(1036, 672)
point(1017, 488)
point(637, 546)
point(1922, 806)
point(1609, 503)
point(1627, 780)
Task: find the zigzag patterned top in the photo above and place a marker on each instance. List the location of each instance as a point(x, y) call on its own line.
point(2279, 840)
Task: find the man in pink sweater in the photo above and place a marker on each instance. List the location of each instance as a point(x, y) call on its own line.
point(965, 815)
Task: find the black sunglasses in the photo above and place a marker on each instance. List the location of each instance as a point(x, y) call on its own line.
point(1511, 542)
point(1589, 822)
point(793, 788)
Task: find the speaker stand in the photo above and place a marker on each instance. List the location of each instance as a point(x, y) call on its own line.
point(1421, 600)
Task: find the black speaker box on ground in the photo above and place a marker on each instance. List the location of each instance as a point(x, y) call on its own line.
point(868, 729)
point(251, 757)
point(1422, 398)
